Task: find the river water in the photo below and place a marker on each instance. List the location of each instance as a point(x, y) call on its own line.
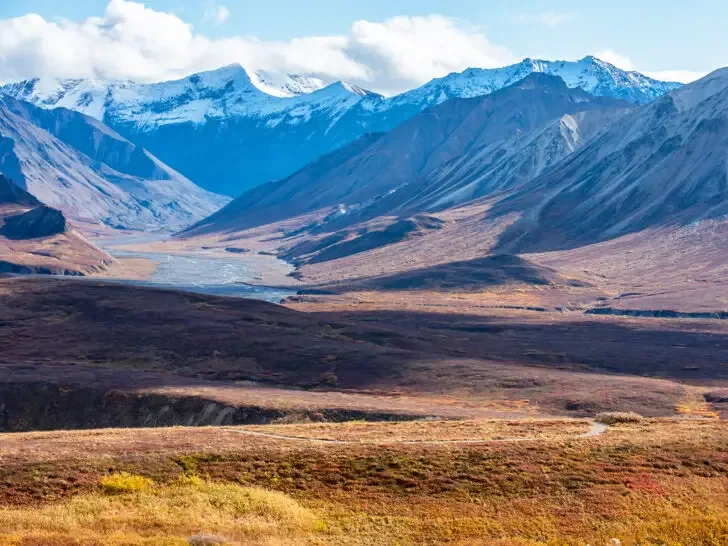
point(203, 274)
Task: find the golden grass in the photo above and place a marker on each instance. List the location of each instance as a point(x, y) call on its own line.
point(431, 431)
point(167, 515)
point(694, 405)
point(641, 520)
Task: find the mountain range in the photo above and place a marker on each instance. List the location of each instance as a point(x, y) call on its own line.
point(571, 153)
point(448, 154)
point(253, 128)
point(543, 167)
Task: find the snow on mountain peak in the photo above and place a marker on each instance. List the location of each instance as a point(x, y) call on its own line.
point(230, 91)
point(591, 74)
point(286, 85)
point(355, 89)
point(234, 92)
point(218, 77)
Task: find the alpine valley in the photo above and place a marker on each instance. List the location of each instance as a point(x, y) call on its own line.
point(490, 310)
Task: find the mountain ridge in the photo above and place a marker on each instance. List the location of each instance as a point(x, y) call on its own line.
point(251, 137)
point(74, 163)
point(664, 165)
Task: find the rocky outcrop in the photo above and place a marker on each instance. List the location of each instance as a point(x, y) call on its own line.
point(36, 239)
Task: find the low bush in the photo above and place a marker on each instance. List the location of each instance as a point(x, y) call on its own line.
point(615, 417)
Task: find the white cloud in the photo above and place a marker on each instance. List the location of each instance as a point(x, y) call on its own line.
point(406, 51)
point(548, 18)
point(217, 15)
point(682, 76)
point(620, 61)
point(625, 63)
point(133, 41)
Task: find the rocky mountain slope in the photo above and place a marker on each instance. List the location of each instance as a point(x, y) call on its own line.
point(664, 165)
point(450, 154)
point(35, 238)
point(254, 128)
point(73, 162)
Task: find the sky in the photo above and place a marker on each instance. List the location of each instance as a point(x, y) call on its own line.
point(386, 46)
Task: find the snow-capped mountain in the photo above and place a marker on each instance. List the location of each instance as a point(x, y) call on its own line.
point(594, 76)
point(220, 94)
point(252, 128)
point(285, 85)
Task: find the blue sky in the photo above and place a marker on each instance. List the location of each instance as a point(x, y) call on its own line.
point(648, 35)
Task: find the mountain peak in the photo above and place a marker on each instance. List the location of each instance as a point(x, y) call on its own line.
point(219, 77)
point(342, 89)
point(596, 62)
point(698, 91)
point(590, 59)
point(541, 79)
point(355, 89)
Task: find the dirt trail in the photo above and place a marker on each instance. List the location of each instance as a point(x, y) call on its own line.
point(596, 430)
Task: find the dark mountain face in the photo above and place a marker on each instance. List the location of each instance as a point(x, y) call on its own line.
point(12, 194)
point(24, 217)
point(663, 165)
point(407, 169)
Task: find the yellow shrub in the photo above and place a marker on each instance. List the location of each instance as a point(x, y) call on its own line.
point(123, 482)
point(188, 480)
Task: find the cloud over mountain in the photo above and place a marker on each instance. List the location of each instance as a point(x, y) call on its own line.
point(131, 41)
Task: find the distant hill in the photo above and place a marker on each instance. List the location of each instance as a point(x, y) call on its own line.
point(35, 238)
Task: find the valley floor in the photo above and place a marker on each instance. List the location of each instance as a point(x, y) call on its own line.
point(471, 381)
point(66, 344)
point(659, 481)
